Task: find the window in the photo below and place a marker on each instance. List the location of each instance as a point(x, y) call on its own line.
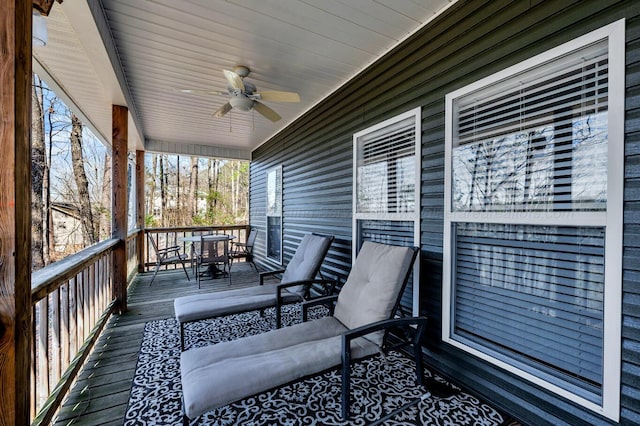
point(533, 220)
point(274, 214)
point(387, 185)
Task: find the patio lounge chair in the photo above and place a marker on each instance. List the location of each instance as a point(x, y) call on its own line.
point(294, 287)
point(216, 375)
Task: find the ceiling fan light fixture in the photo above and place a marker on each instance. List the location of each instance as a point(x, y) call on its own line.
point(241, 103)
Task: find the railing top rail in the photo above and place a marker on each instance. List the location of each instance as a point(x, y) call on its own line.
point(133, 232)
point(194, 228)
point(49, 278)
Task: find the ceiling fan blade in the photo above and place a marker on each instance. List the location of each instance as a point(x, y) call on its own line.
point(234, 80)
point(222, 110)
point(275, 96)
point(266, 111)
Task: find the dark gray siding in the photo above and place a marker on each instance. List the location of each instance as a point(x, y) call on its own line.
point(472, 40)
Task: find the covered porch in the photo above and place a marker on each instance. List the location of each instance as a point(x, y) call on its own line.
point(115, 385)
point(517, 180)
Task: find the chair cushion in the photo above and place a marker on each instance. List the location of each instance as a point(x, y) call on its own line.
point(306, 261)
point(209, 305)
point(373, 286)
point(216, 375)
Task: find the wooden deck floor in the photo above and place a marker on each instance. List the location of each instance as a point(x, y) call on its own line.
point(101, 393)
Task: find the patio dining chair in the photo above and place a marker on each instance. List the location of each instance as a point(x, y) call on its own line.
point(216, 375)
point(212, 257)
point(244, 250)
point(167, 256)
point(295, 284)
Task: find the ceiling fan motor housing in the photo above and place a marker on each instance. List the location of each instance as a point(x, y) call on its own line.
point(241, 102)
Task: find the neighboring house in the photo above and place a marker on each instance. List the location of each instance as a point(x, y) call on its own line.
point(527, 206)
point(67, 229)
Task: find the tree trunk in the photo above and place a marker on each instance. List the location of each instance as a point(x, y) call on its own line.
point(49, 236)
point(105, 200)
point(38, 164)
point(82, 184)
point(209, 187)
point(178, 192)
point(216, 182)
point(163, 189)
point(151, 198)
point(193, 187)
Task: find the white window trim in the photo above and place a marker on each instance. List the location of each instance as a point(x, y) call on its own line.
point(404, 217)
point(266, 217)
point(613, 218)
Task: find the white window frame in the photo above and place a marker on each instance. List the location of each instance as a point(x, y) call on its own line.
point(278, 171)
point(612, 219)
point(400, 217)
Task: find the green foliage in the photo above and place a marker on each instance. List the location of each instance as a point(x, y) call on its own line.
point(150, 221)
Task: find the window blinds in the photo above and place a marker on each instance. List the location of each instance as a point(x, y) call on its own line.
point(385, 166)
point(533, 293)
point(537, 142)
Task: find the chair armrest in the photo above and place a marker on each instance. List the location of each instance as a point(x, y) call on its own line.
point(168, 249)
point(267, 273)
point(328, 285)
point(328, 301)
point(383, 325)
point(282, 287)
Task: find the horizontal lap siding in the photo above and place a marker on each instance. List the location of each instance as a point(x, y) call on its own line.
point(470, 41)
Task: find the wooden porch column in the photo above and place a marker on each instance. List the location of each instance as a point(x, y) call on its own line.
point(140, 208)
point(15, 211)
point(119, 139)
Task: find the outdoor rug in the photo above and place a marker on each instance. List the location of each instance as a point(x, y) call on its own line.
point(380, 386)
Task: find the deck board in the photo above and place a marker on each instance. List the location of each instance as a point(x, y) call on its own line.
point(101, 392)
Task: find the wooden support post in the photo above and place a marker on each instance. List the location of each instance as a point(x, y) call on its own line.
point(140, 213)
point(15, 208)
point(119, 203)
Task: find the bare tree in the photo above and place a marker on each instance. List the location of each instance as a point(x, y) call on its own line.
point(193, 187)
point(82, 184)
point(151, 182)
point(163, 188)
point(38, 165)
point(105, 200)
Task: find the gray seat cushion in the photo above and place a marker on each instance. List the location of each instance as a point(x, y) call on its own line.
point(200, 306)
point(306, 261)
point(303, 266)
point(216, 375)
point(372, 288)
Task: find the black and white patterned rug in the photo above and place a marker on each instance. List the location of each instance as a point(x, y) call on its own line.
point(380, 385)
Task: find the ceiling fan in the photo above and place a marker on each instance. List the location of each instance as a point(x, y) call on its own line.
point(244, 95)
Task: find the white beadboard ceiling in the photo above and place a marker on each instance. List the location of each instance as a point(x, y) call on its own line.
point(310, 47)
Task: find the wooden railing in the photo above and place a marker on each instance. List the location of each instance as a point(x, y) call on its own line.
point(132, 253)
point(171, 236)
point(71, 301)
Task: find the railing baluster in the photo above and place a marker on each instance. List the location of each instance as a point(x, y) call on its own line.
point(92, 295)
point(80, 307)
point(42, 351)
point(34, 366)
point(86, 303)
point(55, 336)
point(73, 317)
point(64, 332)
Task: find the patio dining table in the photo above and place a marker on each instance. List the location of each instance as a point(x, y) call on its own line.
point(195, 239)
